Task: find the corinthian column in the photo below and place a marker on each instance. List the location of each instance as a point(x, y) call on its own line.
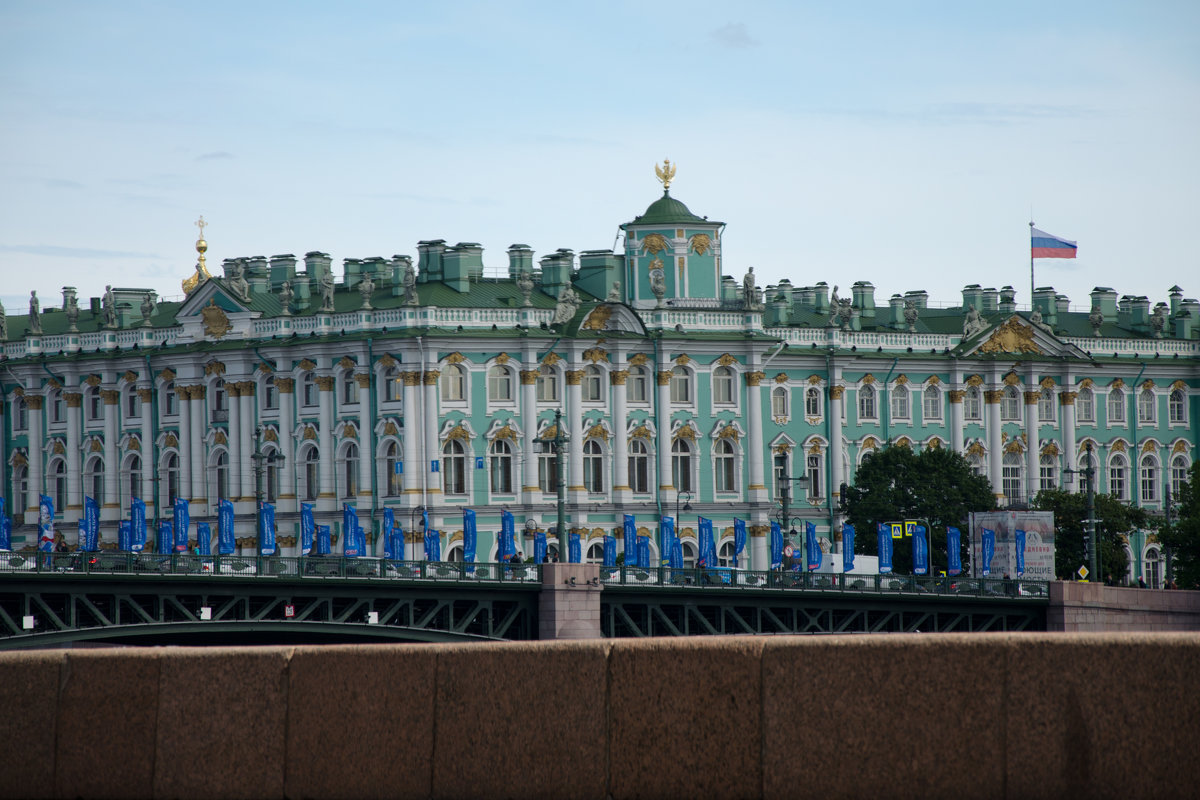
point(1032, 451)
point(199, 491)
point(112, 457)
point(412, 434)
point(662, 421)
point(149, 465)
point(1067, 402)
point(326, 498)
point(956, 419)
point(37, 478)
point(433, 485)
point(287, 443)
point(233, 394)
point(758, 485)
point(575, 431)
point(245, 440)
point(366, 450)
point(991, 401)
point(74, 402)
point(184, 440)
point(529, 483)
point(621, 489)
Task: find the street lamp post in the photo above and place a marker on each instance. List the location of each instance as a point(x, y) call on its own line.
point(560, 466)
point(687, 506)
point(262, 461)
point(1091, 546)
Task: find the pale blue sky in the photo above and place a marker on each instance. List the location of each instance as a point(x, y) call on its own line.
point(900, 143)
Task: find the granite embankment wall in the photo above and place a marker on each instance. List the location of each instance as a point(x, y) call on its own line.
point(1076, 607)
point(973, 715)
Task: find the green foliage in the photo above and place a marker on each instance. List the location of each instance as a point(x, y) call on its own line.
point(1183, 534)
point(1115, 520)
point(896, 483)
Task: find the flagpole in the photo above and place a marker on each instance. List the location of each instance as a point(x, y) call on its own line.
point(1031, 264)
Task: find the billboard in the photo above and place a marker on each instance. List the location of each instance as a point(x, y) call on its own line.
point(1038, 553)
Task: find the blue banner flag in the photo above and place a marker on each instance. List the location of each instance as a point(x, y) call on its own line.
point(953, 551)
point(920, 551)
point(885, 548)
point(539, 547)
point(91, 527)
point(847, 548)
point(470, 538)
point(630, 531)
point(574, 548)
point(203, 539)
point(435, 546)
point(643, 552)
point(181, 521)
point(509, 526)
point(666, 530)
point(349, 531)
point(266, 518)
point(1020, 542)
point(81, 533)
point(776, 546)
point(324, 545)
point(812, 547)
point(166, 538)
point(124, 536)
point(5, 528)
point(739, 540)
point(610, 551)
point(708, 548)
point(676, 559)
point(137, 525)
point(307, 528)
point(989, 550)
point(226, 542)
point(46, 524)
point(389, 519)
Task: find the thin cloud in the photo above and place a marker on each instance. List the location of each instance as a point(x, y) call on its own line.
point(69, 252)
point(216, 155)
point(59, 183)
point(733, 35)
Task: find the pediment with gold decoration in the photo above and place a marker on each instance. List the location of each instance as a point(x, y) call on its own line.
point(212, 313)
point(1017, 338)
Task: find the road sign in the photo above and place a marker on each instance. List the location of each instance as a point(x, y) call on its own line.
point(1083, 573)
point(787, 551)
point(909, 527)
point(897, 530)
point(289, 610)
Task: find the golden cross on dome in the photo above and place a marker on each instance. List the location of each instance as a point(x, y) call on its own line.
point(665, 173)
point(201, 224)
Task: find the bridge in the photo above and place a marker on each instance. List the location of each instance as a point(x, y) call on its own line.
point(54, 599)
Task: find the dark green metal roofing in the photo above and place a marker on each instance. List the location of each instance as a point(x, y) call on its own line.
point(668, 210)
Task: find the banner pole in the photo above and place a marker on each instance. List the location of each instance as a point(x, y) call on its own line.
point(1031, 263)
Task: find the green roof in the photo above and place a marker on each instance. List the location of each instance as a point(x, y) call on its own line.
point(667, 209)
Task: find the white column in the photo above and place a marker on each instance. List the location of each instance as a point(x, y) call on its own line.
point(991, 402)
point(621, 490)
point(412, 435)
point(1066, 401)
point(662, 420)
point(836, 467)
point(757, 482)
point(759, 556)
point(233, 394)
point(245, 440)
point(366, 437)
point(149, 467)
point(37, 478)
point(74, 401)
point(1032, 450)
point(112, 455)
point(574, 419)
point(327, 497)
point(433, 480)
point(530, 487)
point(184, 435)
point(956, 419)
point(199, 412)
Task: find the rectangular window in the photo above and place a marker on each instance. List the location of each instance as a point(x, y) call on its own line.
point(547, 473)
point(1046, 406)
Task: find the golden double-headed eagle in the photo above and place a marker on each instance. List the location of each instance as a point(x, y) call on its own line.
point(665, 173)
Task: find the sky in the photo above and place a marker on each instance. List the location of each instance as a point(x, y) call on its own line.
point(902, 143)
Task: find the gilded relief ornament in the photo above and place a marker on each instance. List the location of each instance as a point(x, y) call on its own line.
point(654, 243)
point(700, 243)
point(216, 322)
point(1011, 337)
point(665, 173)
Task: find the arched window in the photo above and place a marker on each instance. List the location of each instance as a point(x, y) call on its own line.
point(595, 553)
point(593, 466)
point(547, 384)
point(133, 477)
point(1085, 406)
point(349, 388)
point(501, 459)
point(724, 461)
point(220, 403)
point(1177, 406)
point(58, 482)
point(57, 406)
point(866, 402)
point(681, 465)
point(1011, 483)
point(1149, 479)
point(593, 383)
point(93, 479)
point(975, 463)
point(725, 555)
point(689, 555)
point(637, 384)
point(20, 414)
point(272, 474)
point(779, 402)
point(1147, 406)
point(1153, 568)
point(454, 554)
point(20, 488)
point(813, 471)
point(639, 465)
point(500, 384)
point(308, 390)
point(170, 480)
point(392, 385)
point(1047, 472)
point(1010, 404)
point(94, 403)
point(1118, 477)
point(972, 403)
point(454, 467)
point(1179, 474)
point(547, 471)
point(133, 403)
point(812, 402)
point(931, 406)
point(1046, 406)
point(349, 471)
point(1116, 406)
point(221, 475)
point(454, 383)
point(681, 385)
point(312, 474)
point(900, 408)
point(391, 457)
point(722, 386)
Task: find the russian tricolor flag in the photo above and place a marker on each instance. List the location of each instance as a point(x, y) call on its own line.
point(1047, 246)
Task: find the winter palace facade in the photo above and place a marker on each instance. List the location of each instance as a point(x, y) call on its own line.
point(429, 384)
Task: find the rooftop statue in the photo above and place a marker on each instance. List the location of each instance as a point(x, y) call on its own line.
point(3, 324)
point(148, 308)
point(973, 323)
point(568, 304)
point(365, 287)
point(108, 308)
point(327, 292)
point(238, 284)
point(410, 285)
point(71, 307)
point(285, 298)
point(911, 312)
point(35, 316)
point(1096, 319)
point(750, 295)
point(525, 285)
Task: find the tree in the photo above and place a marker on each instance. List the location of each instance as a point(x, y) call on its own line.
point(1183, 534)
point(1115, 520)
point(896, 483)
